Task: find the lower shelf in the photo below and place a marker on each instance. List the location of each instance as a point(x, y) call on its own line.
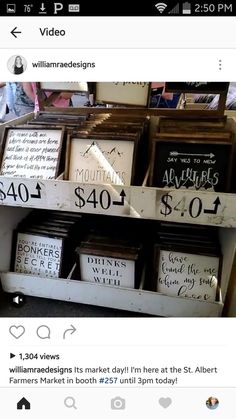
point(100, 295)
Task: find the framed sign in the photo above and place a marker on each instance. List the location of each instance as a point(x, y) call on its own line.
point(187, 275)
point(44, 244)
point(181, 162)
point(38, 255)
point(107, 261)
point(107, 271)
point(31, 152)
point(196, 87)
point(98, 160)
point(64, 86)
point(123, 93)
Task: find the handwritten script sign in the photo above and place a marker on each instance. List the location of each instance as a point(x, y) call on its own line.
point(38, 255)
point(101, 161)
point(188, 275)
point(126, 93)
point(64, 86)
point(31, 153)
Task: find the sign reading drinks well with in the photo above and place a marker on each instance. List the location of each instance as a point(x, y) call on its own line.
point(38, 255)
point(31, 153)
point(123, 93)
point(191, 165)
point(188, 275)
point(107, 271)
point(101, 161)
point(196, 87)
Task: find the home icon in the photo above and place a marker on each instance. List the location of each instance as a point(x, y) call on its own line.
point(23, 404)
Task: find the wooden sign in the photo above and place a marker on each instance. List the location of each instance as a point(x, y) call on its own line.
point(38, 255)
point(181, 162)
point(64, 86)
point(196, 87)
point(123, 93)
point(31, 152)
point(101, 161)
point(107, 270)
point(109, 261)
point(188, 275)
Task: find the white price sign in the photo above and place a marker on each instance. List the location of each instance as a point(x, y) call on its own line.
point(193, 207)
point(102, 199)
point(21, 192)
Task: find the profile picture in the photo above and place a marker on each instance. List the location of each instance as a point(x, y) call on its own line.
point(17, 64)
point(212, 403)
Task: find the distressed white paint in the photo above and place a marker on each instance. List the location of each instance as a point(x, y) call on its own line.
point(139, 202)
point(88, 293)
point(101, 295)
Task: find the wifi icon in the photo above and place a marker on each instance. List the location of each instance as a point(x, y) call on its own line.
point(161, 7)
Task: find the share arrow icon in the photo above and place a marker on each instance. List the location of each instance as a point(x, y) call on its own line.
point(12, 356)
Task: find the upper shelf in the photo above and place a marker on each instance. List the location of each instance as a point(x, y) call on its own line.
point(183, 206)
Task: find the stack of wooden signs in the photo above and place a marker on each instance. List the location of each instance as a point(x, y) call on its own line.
point(187, 262)
point(44, 243)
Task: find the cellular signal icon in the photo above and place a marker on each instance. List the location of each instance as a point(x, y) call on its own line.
point(161, 7)
point(175, 10)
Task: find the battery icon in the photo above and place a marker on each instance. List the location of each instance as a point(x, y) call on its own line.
point(186, 8)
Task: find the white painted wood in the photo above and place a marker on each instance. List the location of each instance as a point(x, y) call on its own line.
point(140, 301)
point(139, 202)
point(106, 296)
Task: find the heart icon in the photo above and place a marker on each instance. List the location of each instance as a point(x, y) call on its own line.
point(17, 331)
point(165, 402)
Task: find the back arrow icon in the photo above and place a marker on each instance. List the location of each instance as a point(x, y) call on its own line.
point(14, 32)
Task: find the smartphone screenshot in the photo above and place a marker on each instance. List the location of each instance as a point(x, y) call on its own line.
point(117, 209)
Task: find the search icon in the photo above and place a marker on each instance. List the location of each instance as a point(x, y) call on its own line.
point(70, 402)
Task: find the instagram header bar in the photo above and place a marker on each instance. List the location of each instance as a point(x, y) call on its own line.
point(119, 65)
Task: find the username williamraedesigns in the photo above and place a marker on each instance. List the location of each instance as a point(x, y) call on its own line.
point(71, 64)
